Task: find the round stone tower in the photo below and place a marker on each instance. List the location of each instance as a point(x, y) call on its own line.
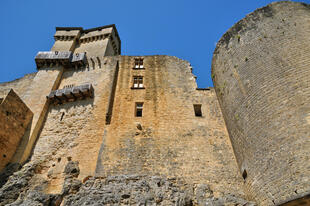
point(261, 73)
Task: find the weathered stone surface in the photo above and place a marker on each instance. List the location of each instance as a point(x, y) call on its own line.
point(193, 149)
point(20, 86)
point(17, 184)
point(131, 190)
point(146, 190)
point(72, 169)
point(15, 118)
point(168, 139)
point(261, 74)
point(43, 83)
point(112, 190)
point(172, 154)
point(7, 172)
point(180, 145)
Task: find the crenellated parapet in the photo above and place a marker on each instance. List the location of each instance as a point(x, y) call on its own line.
point(60, 58)
point(108, 33)
point(93, 35)
point(75, 39)
point(94, 38)
point(67, 34)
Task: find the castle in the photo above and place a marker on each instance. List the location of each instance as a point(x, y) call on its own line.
point(93, 127)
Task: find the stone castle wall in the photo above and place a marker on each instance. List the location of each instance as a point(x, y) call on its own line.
point(15, 118)
point(261, 75)
point(20, 86)
point(171, 142)
point(168, 139)
point(96, 148)
point(74, 130)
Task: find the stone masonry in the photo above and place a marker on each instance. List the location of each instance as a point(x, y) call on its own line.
point(15, 118)
point(261, 75)
point(109, 129)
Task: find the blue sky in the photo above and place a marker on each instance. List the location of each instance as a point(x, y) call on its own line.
point(183, 28)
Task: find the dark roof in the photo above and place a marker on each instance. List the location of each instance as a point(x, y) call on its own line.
point(68, 28)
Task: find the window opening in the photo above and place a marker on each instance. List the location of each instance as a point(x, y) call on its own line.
point(138, 82)
point(197, 109)
point(62, 116)
point(99, 62)
point(139, 63)
point(244, 174)
point(93, 63)
point(139, 108)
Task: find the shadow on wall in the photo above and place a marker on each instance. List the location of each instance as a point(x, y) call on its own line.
point(14, 164)
point(93, 63)
point(64, 107)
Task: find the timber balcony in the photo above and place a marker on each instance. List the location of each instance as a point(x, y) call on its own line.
point(60, 58)
point(71, 94)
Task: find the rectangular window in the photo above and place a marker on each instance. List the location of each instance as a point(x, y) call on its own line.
point(197, 109)
point(139, 108)
point(137, 82)
point(138, 63)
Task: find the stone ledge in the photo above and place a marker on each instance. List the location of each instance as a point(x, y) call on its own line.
point(71, 94)
point(60, 58)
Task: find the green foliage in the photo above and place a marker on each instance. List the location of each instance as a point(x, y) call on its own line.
point(212, 76)
point(238, 37)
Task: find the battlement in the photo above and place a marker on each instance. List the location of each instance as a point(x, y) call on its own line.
point(67, 33)
point(72, 38)
point(139, 116)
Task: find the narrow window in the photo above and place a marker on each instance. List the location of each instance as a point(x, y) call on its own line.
point(93, 63)
point(138, 82)
point(62, 116)
point(197, 109)
point(139, 108)
point(141, 63)
point(99, 62)
point(138, 63)
point(244, 174)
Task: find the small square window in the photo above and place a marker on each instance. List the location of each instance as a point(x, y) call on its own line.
point(138, 63)
point(137, 82)
point(139, 108)
point(197, 109)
